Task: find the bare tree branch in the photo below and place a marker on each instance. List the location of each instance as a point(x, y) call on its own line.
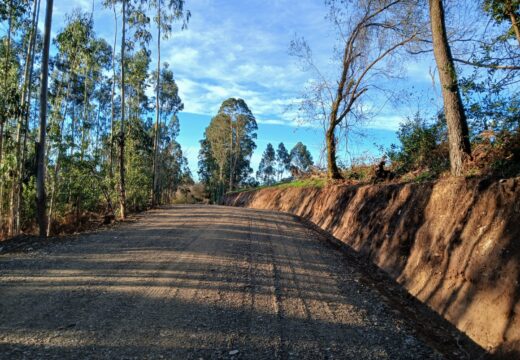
point(488, 66)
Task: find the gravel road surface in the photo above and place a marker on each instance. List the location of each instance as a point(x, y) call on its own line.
point(197, 282)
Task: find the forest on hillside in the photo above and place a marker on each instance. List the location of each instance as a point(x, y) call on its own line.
point(89, 126)
point(102, 144)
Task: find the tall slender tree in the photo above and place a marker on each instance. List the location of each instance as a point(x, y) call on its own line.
point(165, 15)
point(29, 56)
point(112, 97)
point(283, 158)
point(227, 146)
point(122, 189)
point(266, 170)
point(40, 161)
point(301, 157)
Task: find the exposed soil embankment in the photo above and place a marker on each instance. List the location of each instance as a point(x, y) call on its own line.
point(453, 244)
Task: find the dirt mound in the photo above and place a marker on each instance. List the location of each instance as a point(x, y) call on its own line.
point(453, 244)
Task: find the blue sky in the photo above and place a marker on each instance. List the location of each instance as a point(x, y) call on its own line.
point(238, 48)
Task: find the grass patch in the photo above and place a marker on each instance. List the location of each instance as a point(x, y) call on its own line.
point(300, 183)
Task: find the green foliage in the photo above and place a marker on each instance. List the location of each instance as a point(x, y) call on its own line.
point(225, 154)
point(304, 183)
point(283, 159)
point(422, 146)
point(301, 157)
point(490, 103)
point(84, 123)
point(500, 10)
point(300, 183)
point(266, 169)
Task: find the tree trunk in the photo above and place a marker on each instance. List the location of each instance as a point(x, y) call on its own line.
point(332, 168)
point(40, 154)
point(122, 192)
point(98, 130)
point(85, 116)
point(458, 134)
point(157, 111)
point(14, 206)
point(516, 27)
point(72, 130)
point(4, 111)
point(231, 161)
point(112, 109)
point(53, 193)
point(238, 151)
point(26, 126)
point(3, 117)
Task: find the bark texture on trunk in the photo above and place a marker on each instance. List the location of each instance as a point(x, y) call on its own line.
point(332, 169)
point(516, 27)
point(155, 199)
point(40, 153)
point(122, 191)
point(458, 134)
point(112, 103)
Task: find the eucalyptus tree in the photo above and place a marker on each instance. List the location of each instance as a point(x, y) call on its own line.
point(283, 159)
point(166, 13)
point(12, 12)
point(125, 5)
point(83, 58)
point(242, 133)
point(217, 135)
point(208, 170)
point(121, 139)
point(71, 43)
point(166, 127)
point(301, 157)
point(77, 107)
point(138, 141)
point(174, 170)
point(133, 14)
point(134, 21)
point(228, 145)
point(15, 14)
point(266, 168)
point(40, 153)
point(370, 32)
point(16, 187)
point(112, 4)
point(95, 63)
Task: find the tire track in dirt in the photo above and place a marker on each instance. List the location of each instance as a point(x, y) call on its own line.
point(196, 282)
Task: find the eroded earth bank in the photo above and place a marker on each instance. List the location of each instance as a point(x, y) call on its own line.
point(453, 244)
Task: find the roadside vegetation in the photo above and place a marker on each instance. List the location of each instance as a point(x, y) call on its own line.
point(103, 146)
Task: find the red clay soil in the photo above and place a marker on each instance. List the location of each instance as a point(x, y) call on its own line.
point(453, 244)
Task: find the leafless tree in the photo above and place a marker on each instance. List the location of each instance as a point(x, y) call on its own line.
point(370, 36)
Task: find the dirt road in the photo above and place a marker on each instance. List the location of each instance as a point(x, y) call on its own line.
point(196, 282)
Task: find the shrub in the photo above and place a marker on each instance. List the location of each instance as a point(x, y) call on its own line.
point(423, 147)
point(496, 153)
